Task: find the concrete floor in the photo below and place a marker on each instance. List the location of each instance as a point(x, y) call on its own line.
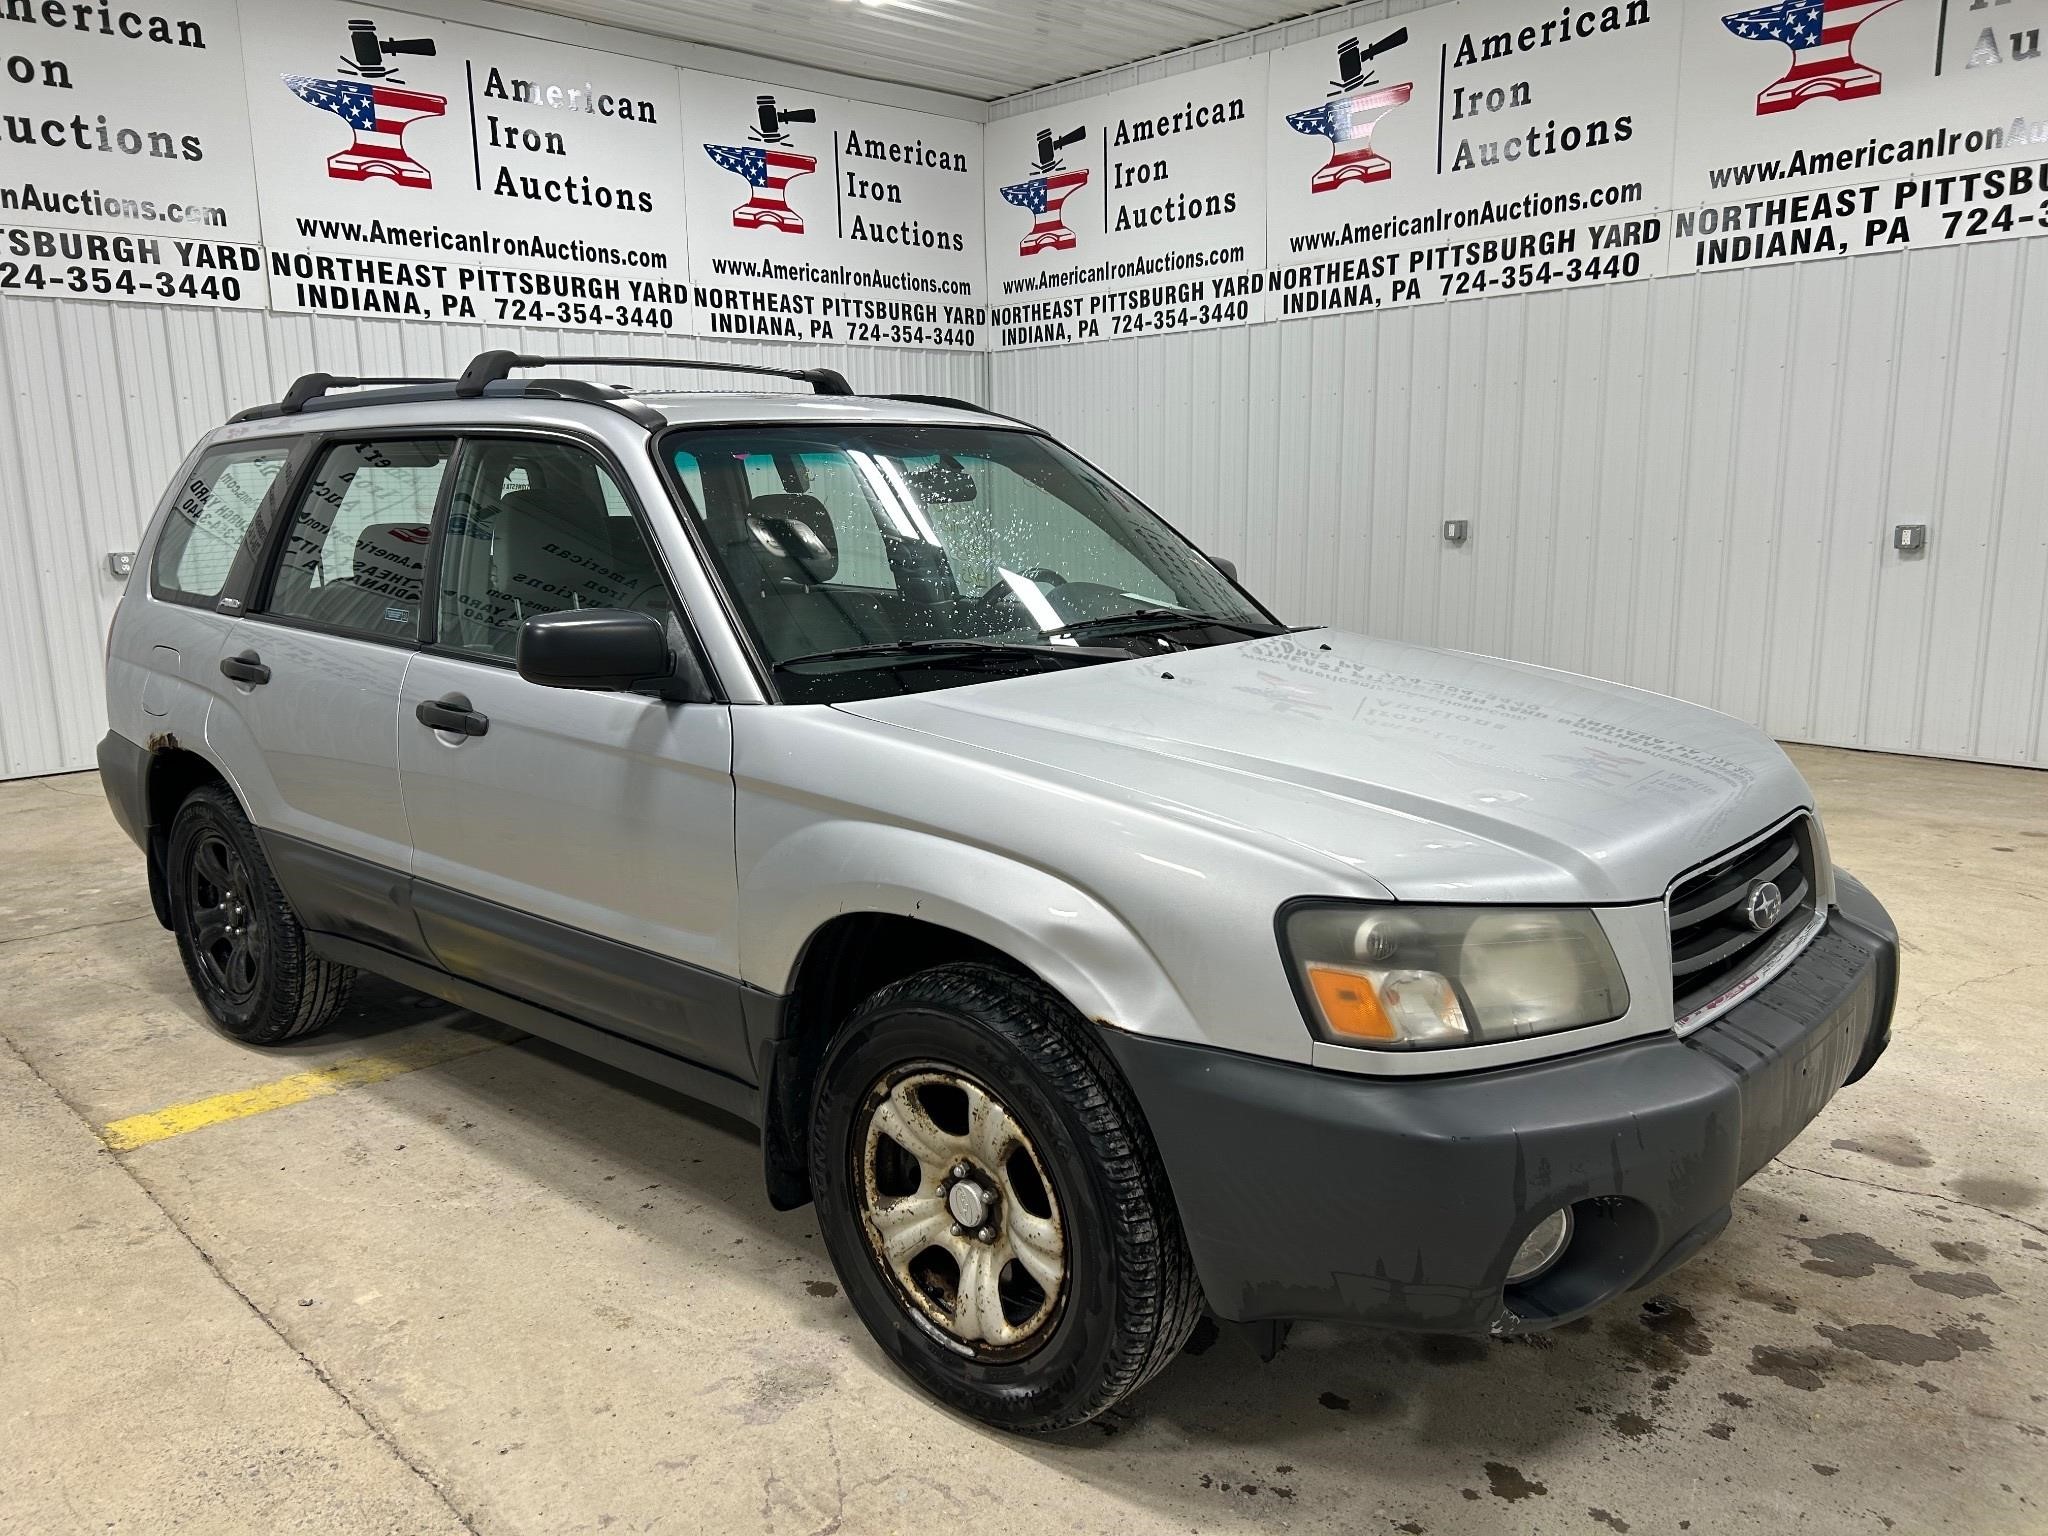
point(515, 1292)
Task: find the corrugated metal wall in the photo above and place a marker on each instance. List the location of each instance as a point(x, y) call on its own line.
point(99, 403)
point(1687, 484)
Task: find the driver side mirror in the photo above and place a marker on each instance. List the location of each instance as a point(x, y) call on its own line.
point(1227, 567)
point(608, 649)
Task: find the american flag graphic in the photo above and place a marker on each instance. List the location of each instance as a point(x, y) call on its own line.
point(1819, 33)
point(1044, 197)
point(768, 172)
point(379, 114)
point(1348, 123)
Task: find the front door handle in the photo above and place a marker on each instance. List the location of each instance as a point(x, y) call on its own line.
point(245, 668)
point(451, 712)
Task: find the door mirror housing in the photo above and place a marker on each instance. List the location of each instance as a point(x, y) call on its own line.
point(1227, 567)
point(609, 649)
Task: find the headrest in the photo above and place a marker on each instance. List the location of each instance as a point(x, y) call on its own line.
point(561, 562)
point(794, 539)
point(390, 558)
point(572, 504)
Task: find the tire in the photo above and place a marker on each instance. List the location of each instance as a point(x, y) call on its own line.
point(1062, 1168)
point(244, 951)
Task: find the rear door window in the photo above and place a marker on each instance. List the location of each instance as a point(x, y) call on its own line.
point(212, 516)
point(355, 556)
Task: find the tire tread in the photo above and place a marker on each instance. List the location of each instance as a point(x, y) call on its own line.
point(310, 989)
point(1161, 1299)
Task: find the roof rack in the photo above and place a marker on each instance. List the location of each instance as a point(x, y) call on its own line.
point(310, 393)
point(489, 373)
point(489, 367)
point(311, 386)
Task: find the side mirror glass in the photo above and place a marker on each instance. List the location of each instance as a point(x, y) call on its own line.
point(598, 648)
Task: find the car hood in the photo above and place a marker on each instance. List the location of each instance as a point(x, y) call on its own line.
point(1436, 775)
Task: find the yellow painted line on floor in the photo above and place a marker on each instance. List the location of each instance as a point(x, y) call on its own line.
point(359, 1072)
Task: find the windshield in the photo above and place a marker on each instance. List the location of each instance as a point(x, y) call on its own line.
point(898, 540)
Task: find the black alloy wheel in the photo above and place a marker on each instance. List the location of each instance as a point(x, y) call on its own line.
point(244, 951)
point(227, 933)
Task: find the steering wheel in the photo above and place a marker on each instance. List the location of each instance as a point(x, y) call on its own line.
point(998, 609)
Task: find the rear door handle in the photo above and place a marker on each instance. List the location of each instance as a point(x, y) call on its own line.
point(451, 712)
point(245, 668)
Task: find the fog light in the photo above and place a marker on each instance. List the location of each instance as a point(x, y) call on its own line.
point(1540, 1249)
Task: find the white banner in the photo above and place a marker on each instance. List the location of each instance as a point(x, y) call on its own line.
point(421, 169)
point(356, 160)
point(1133, 213)
point(1809, 131)
point(1468, 150)
point(815, 218)
point(125, 169)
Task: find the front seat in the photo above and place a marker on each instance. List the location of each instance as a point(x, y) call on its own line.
point(787, 552)
point(555, 551)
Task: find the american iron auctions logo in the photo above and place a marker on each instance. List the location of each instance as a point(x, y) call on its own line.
point(1045, 194)
point(378, 111)
point(767, 167)
point(1820, 34)
point(1348, 120)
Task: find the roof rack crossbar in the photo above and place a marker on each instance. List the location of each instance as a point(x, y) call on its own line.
point(311, 386)
point(489, 367)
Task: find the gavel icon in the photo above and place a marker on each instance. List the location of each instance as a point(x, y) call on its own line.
point(370, 50)
point(771, 120)
point(1049, 147)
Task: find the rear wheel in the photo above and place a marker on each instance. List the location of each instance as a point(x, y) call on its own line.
point(244, 951)
point(993, 1203)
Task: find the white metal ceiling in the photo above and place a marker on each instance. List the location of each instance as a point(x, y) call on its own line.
point(979, 48)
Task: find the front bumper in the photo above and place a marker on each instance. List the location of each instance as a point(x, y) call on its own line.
point(1399, 1202)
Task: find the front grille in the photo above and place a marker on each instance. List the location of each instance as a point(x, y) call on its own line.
point(1716, 945)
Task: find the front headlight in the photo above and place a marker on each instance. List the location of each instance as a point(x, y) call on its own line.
point(1419, 978)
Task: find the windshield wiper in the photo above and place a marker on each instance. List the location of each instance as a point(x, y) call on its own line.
point(959, 649)
point(1160, 618)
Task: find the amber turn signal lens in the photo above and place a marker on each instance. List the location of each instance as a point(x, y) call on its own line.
point(1350, 1003)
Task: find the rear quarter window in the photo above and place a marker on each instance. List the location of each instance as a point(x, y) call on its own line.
point(213, 512)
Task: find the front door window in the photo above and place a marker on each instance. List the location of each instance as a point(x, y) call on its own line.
point(533, 528)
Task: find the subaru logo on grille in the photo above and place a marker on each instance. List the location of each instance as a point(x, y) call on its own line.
point(1764, 904)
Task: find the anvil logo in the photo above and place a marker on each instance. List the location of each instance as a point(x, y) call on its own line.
point(767, 167)
point(379, 111)
point(1047, 193)
point(1347, 121)
point(1820, 34)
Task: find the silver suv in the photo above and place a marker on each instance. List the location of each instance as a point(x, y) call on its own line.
point(1090, 946)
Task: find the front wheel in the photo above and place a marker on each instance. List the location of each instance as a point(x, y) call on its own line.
point(993, 1203)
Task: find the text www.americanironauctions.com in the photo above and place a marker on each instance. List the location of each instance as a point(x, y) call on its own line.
point(482, 242)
